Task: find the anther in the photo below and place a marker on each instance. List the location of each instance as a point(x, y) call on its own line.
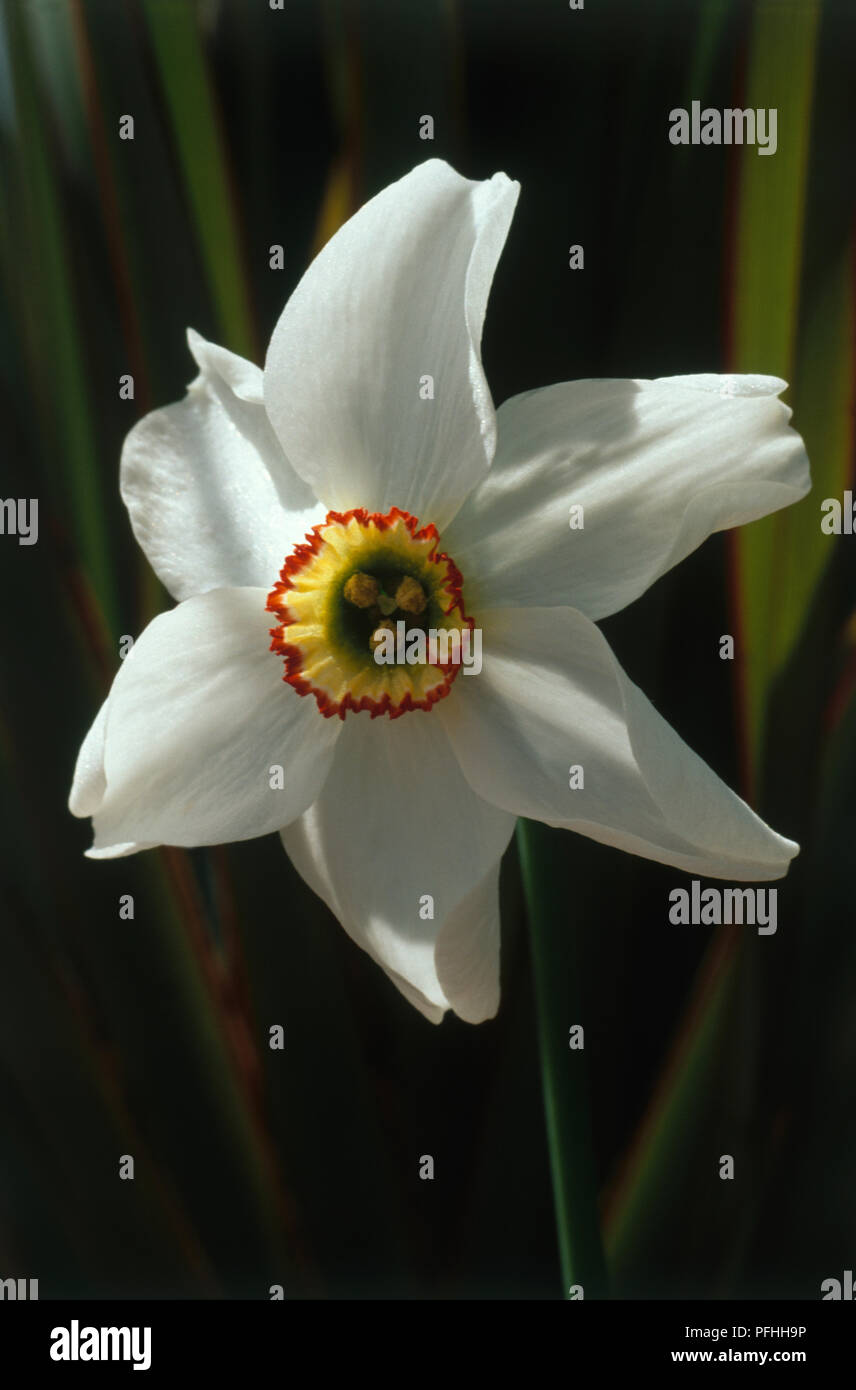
point(377, 636)
point(362, 590)
point(410, 596)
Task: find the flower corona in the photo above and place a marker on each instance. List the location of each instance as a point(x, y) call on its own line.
point(342, 593)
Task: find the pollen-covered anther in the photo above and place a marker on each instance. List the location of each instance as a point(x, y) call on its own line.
point(410, 596)
point(378, 635)
point(362, 590)
point(360, 578)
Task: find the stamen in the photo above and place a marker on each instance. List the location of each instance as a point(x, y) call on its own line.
point(410, 596)
point(362, 590)
point(378, 635)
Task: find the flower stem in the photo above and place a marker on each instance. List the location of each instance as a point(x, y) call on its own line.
point(563, 1068)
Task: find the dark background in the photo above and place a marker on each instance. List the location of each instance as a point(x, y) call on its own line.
point(150, 1037)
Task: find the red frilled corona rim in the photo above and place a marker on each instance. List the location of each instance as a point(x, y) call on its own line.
point(326, 642)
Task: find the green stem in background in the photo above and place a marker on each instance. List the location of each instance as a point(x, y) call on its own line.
point(563, 1069)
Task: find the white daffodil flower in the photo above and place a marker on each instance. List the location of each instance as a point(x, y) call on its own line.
point(295, 513)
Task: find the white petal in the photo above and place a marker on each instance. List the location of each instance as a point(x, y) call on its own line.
point(213, 501)
point(88, 785)
point(550, 696)
point(197, 717)
point(399, 293)
point(657, 466)
point(119, 850)
point(467, 952)
point(396, 821)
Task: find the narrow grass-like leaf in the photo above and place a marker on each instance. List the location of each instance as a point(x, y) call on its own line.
point(777, 561)
point(767, 260)
point(50, 326)
point(639, 1199)
point(190, 99)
